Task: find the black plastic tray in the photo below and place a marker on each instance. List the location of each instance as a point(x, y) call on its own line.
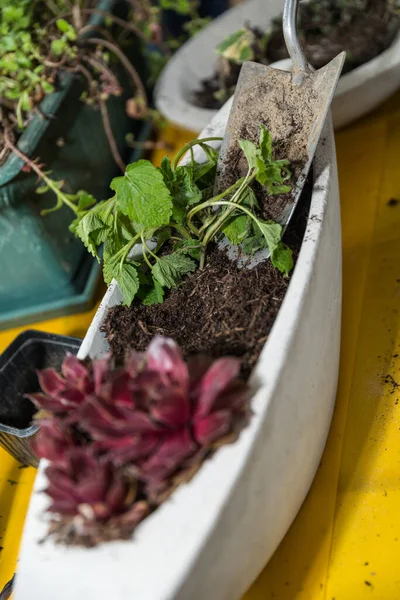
point(30, 351)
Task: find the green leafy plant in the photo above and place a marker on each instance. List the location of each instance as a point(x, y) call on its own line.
point(40, 40)
point(238, 47)
point(172, 214)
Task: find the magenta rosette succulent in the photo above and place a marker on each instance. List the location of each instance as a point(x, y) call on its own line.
point(158, 411)
point(93, 494)
point(63, 393)
point(151, 420)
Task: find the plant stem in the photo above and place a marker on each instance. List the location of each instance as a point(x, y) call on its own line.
point(113, 47)
point(128, 248)
point(110, 136)
point(202, 258)
point(190, 145)
point(210, 202)
point(181, 230)
point(234, 202)
point(49, 182)
point(234, 207)
point(144, 248)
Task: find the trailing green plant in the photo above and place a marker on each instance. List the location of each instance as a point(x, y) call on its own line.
point(172, 213)
point(40, 40)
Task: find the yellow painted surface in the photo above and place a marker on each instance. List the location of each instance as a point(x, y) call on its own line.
point(344, 544)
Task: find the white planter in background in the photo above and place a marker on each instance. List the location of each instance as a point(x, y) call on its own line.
point(358, 92)
point(211, 539)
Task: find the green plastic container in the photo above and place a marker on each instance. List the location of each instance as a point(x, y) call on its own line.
point(45, 271)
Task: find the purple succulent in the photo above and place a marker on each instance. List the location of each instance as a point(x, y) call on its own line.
point(158, 412)
point(90, 493)
point(63, 393)
point(154, 419)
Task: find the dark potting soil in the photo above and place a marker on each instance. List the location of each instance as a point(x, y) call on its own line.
point(218, 311)
point(363, 28)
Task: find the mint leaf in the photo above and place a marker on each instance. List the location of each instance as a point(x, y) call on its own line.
point(271, 177)
point(168, 270)
point(126, 275)
point(282, 258)
point(142, 194)
point(237, 47)
point(204, 174)
point(236, 229)
point(248, 198)
point(186, 192)
point(85, 200)
point(182, 187)
point(154, 296)
point(254, 243)
point(166, 170)
point(93, 229)
point(250, 152)
point(272, 233)
point(190, 247)
point(265, 144)
point(128, 280)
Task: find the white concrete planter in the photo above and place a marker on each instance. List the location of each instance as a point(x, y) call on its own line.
point(358, 92)
point(215, 534)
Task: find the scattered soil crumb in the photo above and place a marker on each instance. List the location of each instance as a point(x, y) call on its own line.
point(393, 202)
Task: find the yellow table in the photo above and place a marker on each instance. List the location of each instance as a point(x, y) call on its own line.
point(345, 542)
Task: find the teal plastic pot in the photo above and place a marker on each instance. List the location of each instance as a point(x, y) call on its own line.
point(44, 270)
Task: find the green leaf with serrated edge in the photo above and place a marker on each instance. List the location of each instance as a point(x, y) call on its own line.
point(93, 230)
point(200, 170)
point(128, 280)
point(237, 47)
point(186, 192)
point(250, 152)
point(74, 225)
point(248, 198)
point(272, 177)
point(190, 247)
point(142, 195)
point(272, 233)
point(179, 215)
point(85, 200)
point(154, 296)
point(126, 275)
point(265, 144)
point(166, 170)
point(253, 244)
point(236, 229)
point(229, 40)
point(181, 184)
point(282, 258)
point(168, 270)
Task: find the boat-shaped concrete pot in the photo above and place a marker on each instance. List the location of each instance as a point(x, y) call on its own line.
point(357, 93)
point(215, 534)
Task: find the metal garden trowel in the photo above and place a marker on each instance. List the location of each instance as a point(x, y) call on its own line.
point(292, 106)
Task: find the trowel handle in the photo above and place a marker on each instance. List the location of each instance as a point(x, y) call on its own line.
point(296, 52)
